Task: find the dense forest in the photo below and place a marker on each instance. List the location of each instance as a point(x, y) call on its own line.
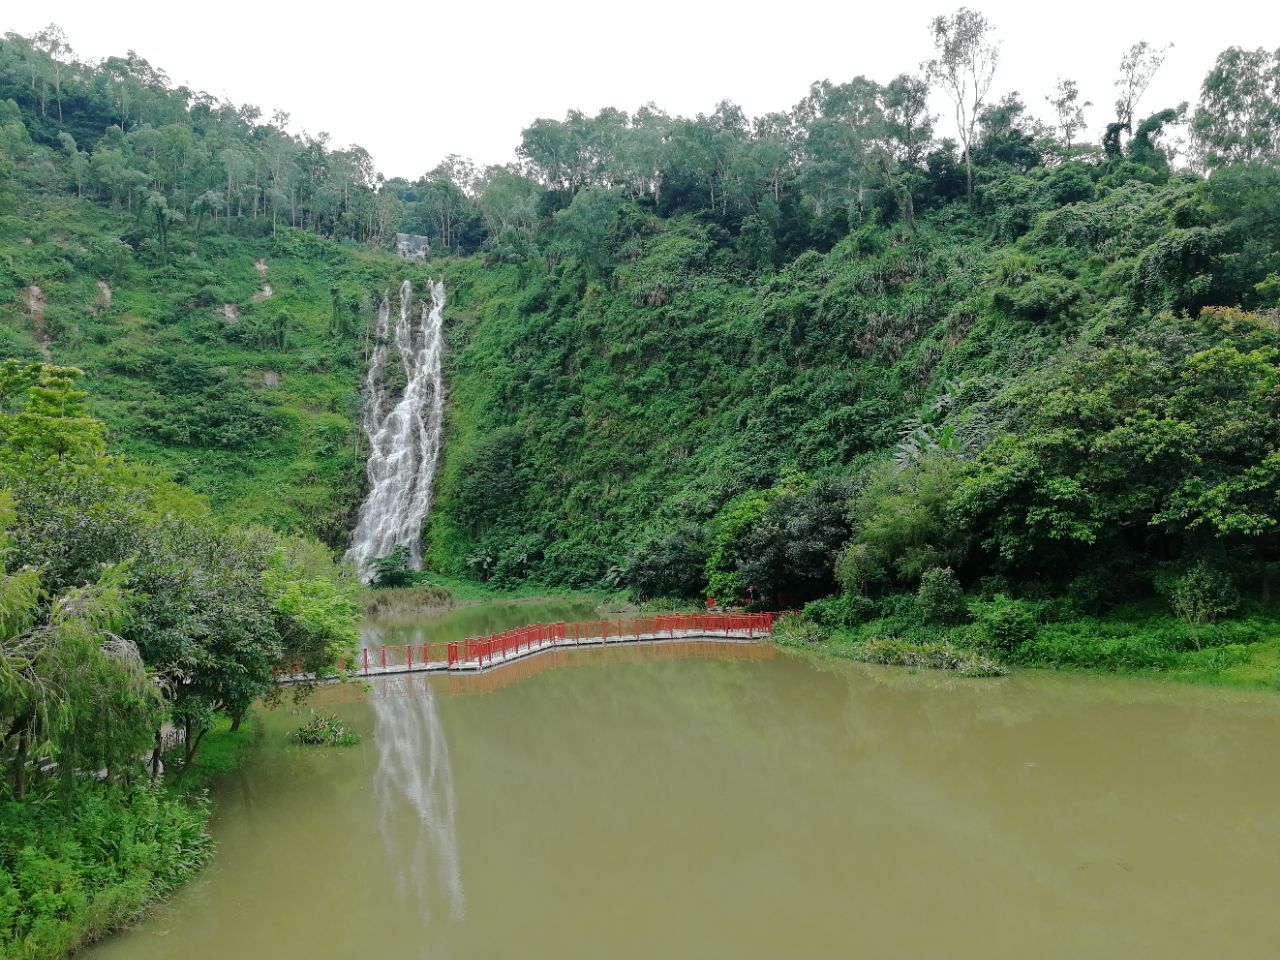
point(682, 347)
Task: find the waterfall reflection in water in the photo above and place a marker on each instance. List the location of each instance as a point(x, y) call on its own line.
point(414, 767)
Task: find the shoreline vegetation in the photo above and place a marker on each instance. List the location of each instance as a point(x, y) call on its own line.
point(128, 614)
point(76, 866)
point(437, 595)
point(1137, 642)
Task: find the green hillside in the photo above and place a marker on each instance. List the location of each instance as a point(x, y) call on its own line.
point(770, 359)
point(249, 399)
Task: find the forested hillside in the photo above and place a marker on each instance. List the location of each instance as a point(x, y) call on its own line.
point(750, 356)
point(224, 345)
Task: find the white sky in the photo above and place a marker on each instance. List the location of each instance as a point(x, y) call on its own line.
point(414, 82)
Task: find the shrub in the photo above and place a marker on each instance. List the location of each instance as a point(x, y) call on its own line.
point(669, 566)
point(1200, 594)
point(1093, 591)
point(1004, 623)
point(393, 569)
point(939, 599)
point(842, 610)
point(1100, 645)
point(71, 871)
point(792, 630)
point(938, 655)
point(325, 730)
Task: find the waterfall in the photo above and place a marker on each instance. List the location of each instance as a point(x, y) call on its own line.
point(404, 438)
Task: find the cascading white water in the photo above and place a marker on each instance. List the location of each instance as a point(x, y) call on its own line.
point(404, 441)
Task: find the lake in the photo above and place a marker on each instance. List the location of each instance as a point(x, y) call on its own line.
point(699, 800)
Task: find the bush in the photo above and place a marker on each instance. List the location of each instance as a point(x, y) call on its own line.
point(393, 569)
point(1200, 594)
point(1100, 645)
point(1093, 591)
point(68, 878)
point(938, 655)
point(325, 730)
point(842, 610)
point(1004, 623)
point(794, 631)
point(939, 599)
point(669, 566)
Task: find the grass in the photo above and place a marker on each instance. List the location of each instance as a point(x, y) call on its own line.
point(325, 730)
point(1254, 665)
point(221, 751)
point(402, 601)
point(1136, 640)
point(436, 591)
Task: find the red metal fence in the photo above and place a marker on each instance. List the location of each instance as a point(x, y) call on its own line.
point(484, 650)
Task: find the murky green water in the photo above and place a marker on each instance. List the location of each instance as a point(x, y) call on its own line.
point(671, 803)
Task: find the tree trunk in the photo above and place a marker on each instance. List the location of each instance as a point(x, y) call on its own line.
point(193, 744)
point(908, 206)
point(1264, 567)
point(155, 756)
point(20, 756)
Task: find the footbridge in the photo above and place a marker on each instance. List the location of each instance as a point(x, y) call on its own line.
point(478, 654)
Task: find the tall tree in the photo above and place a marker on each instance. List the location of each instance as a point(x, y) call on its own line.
point(1138, 67)
point(965, 66)
point(1238, 118)
point(1069, 112)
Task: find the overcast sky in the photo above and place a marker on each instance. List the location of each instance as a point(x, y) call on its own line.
point(414, 82)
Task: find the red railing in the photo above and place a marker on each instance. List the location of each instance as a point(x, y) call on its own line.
point(485, 650)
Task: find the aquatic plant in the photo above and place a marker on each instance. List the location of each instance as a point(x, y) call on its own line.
point(325, 730)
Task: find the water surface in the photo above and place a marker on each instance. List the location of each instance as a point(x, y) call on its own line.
point(731, 802)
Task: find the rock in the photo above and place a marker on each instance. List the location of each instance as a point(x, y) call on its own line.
point(411, 246)
point(103, 303)
point(33, 299)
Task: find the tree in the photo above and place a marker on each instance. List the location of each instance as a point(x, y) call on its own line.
point(1069, 112)
point(393, 570)
point(122, 601)
point(668, 566)
point(586, 224)
point(49, 418)
point(789, 555)
point(1138, 67)
point(965, 66)
point(902, 525)
point(53, 41)
point(164, 217)
point(1238, 117)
